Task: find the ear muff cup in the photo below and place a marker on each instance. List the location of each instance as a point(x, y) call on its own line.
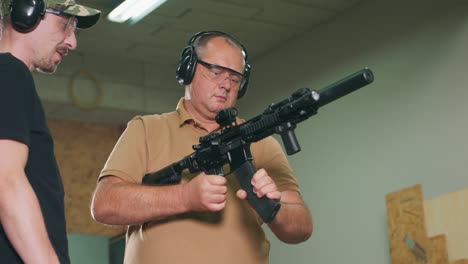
point(188, 62)
point(186, 68)
point(244, 85)
point(26, 14)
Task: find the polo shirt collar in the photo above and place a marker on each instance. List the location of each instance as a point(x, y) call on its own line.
point(186, 118)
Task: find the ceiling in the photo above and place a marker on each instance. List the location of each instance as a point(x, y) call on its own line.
point(261, 25)
point(158, 39)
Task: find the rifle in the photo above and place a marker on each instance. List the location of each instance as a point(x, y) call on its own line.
point(232, 145)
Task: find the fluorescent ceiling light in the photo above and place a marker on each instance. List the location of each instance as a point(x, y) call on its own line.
point(133, 10)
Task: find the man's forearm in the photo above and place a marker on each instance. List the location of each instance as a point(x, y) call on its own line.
point(117, 202)
point(293, 223)
point(22, 220)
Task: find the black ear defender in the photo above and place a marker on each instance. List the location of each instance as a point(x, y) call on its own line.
point(26, 14)
point(188, 61)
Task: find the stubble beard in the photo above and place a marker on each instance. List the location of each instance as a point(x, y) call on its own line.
point(48, 69)
point(46, 63)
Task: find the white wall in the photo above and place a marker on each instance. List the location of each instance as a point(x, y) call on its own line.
point(408, 127)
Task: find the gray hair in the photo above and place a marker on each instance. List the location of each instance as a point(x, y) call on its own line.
point(5, 22)
point(1, 20)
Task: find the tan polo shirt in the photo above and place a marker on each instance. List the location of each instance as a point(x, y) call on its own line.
point(234, 235)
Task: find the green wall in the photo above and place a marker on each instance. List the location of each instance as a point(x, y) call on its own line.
point(88, 249)
point(408, 127)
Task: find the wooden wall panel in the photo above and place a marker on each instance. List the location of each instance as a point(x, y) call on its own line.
point(448, 214)
point(424, 231)
point(439, 249)
point(81, 150)
point(405, 217)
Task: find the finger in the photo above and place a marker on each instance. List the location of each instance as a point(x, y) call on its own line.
point(217, 199)
point(264, 181)
point(217, 180)
point(258, 175)
point(217, 207)
point(274, 195)
point(216, 189)
point(271, 187)
point(241, 194)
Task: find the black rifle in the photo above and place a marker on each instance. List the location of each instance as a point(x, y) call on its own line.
point(232, 145)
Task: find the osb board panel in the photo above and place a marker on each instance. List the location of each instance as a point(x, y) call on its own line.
point(439, 244)
point(81, 150)
point(448, 214)
point(405, 217)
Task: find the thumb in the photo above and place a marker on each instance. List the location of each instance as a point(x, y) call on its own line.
point(241, 194)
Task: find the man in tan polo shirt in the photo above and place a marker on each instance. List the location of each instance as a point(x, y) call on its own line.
point(206, 218)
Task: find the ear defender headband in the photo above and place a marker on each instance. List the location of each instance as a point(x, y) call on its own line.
point(26, 14)
point(188, 61)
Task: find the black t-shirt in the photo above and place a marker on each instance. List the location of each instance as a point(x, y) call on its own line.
point(22, 119)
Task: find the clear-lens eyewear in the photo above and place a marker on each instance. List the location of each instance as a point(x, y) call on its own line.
point(217, 73)
point(70, 25)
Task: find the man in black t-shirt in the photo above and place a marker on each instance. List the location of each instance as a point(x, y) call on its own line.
point(34, 35)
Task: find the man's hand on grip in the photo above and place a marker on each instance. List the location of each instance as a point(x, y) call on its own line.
point(262, 184)
point(206, 193)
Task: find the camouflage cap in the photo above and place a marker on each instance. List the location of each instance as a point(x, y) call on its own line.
point(87, 16)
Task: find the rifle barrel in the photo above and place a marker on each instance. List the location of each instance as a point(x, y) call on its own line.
point(345, 86)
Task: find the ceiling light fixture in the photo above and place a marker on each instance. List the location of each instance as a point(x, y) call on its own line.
point(133, 10)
